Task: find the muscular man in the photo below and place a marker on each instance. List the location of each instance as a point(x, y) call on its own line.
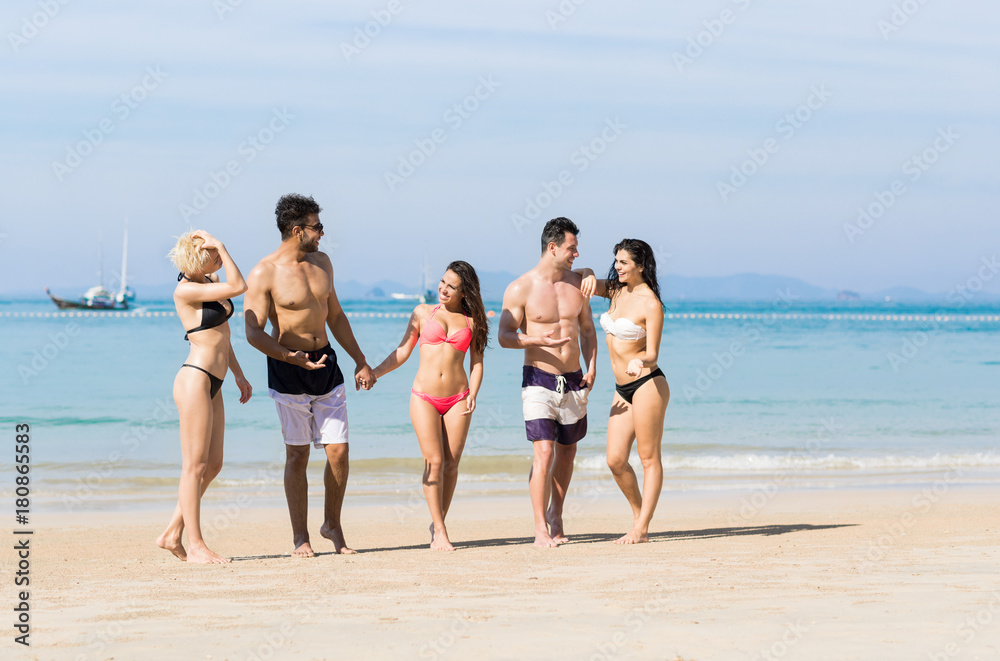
point(545, 314)
point(293, 289)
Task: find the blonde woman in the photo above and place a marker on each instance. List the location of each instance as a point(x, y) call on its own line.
point(204, 305)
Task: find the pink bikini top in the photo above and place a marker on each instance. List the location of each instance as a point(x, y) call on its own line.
point(435, 334)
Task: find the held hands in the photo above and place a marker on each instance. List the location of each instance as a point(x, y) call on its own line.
point(634, 367)
point(364, 377)
point(245, 389)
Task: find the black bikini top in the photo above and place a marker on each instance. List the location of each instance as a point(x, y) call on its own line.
point(213, 313)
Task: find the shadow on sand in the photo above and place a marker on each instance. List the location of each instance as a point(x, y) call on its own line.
point(278, 556)
point(654, 537)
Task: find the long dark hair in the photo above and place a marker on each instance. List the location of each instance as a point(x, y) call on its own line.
point(472, 304)
point(642, 255)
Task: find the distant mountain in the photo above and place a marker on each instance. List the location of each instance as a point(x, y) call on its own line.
point(492, 285)
point(739, 287)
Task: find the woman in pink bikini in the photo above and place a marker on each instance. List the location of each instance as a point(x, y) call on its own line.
point(443, 396)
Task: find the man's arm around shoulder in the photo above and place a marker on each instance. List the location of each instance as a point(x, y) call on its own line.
point(588, 342)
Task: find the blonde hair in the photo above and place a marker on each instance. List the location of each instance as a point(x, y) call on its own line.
point(188, 255)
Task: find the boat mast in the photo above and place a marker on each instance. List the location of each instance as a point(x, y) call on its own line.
point(100, 259)
point(423, 280)
point(121, 292)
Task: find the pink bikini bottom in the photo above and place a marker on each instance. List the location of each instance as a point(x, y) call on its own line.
point(442, 404)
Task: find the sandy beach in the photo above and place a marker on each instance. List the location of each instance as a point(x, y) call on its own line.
point(889, 574)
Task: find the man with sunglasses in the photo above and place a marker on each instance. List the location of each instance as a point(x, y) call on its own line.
point(293, 289)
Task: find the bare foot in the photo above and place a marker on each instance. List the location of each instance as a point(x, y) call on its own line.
point(440, 542)
point(173, 544)
point(203, 554)
point(303, 550)
point(633, 537)
point(556, 528)
point(543, 540)
point(336, 535)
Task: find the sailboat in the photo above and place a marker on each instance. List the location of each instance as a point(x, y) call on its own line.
point(427, 293)
point(98, 297)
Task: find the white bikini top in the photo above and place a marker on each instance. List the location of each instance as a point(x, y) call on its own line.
point(622, 328)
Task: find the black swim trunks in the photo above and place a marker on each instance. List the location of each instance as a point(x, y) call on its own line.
point(294, 380)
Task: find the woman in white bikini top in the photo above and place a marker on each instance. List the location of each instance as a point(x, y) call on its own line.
point(623, 329)
point(634, 325)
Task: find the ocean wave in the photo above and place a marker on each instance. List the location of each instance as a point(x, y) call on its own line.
point(757, 463)
point(145, 475)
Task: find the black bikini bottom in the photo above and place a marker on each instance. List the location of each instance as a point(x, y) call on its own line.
point(215, 383)
point(628, 389)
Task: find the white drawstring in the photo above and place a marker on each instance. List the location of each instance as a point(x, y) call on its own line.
point(560, 385)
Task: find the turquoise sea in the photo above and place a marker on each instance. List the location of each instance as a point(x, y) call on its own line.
point(812, 395)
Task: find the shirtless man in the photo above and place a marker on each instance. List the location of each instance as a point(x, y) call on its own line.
point(293, 289)
point(545, 314)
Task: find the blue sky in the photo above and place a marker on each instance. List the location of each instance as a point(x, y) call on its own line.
point(643, 109)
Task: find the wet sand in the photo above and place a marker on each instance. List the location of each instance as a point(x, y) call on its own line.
point(822, 574)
